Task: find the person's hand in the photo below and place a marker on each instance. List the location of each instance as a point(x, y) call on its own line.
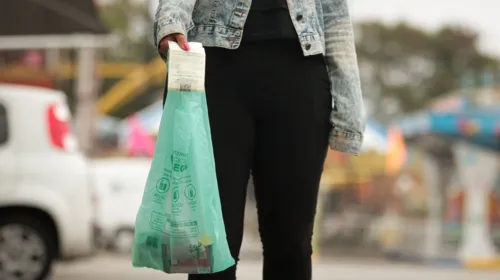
point(176, 37)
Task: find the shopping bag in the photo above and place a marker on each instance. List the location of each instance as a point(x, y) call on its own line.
point(179, 226)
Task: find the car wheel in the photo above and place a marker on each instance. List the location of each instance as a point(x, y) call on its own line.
point(124, 240)
point(25, 248)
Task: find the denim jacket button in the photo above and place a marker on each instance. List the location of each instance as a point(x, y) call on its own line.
point(299, 17)
point(308, 47)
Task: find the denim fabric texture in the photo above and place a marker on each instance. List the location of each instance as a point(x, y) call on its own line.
point(323, 27)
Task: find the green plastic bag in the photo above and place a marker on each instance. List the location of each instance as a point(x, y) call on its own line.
point(179, 226)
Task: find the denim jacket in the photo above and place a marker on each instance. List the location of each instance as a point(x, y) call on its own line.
point(323, 26)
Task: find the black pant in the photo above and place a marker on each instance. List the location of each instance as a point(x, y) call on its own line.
point(269, 112)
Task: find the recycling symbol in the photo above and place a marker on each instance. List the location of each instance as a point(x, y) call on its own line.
point(190, 192)
point(175, 195)
point(163, 185)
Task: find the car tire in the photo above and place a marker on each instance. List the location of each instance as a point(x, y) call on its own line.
point(123, 241)
point(34, 245)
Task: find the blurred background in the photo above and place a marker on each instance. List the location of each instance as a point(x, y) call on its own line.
point(424, 195)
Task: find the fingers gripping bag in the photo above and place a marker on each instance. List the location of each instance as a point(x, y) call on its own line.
point(179, 226)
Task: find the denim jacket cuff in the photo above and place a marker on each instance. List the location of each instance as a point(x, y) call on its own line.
point(346, 141)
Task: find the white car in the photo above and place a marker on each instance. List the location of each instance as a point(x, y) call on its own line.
point(119, 188)
point(46, 204)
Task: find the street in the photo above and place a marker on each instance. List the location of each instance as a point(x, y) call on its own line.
point(108, 267)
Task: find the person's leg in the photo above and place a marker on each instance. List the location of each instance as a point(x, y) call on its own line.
point(291, 145)
point(232, 129)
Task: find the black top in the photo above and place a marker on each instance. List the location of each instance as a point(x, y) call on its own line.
point(268, 20)
point(259, 5)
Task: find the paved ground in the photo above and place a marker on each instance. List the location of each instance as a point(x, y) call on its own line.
point(111, 267)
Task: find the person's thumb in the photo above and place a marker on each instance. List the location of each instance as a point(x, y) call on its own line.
point(182, 42)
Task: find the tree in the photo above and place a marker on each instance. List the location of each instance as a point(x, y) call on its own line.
point(404, 67)
point(131, 22)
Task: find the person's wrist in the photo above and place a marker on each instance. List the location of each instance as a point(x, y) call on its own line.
point(179, 38)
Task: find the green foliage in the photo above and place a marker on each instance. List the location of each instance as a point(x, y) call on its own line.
point(133, 25)
point(404, 67)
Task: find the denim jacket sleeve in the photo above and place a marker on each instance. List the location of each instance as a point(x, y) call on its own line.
point(348, 114)
point(172, 16)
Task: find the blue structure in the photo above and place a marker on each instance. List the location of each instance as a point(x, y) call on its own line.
point(471, 114)
point(481, 127)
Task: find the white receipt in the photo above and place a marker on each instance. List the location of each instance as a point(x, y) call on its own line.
point(186, 69)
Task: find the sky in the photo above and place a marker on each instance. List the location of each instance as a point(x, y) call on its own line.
point(480, 15)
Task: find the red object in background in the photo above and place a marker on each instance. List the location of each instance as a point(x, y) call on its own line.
point(45, 83)
point(28, 69)
point(336, 157)
point(468, 127)
point(365, 192)
point(33, 59)
point(494, 209)
point(57, 121)
point(455, 208)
